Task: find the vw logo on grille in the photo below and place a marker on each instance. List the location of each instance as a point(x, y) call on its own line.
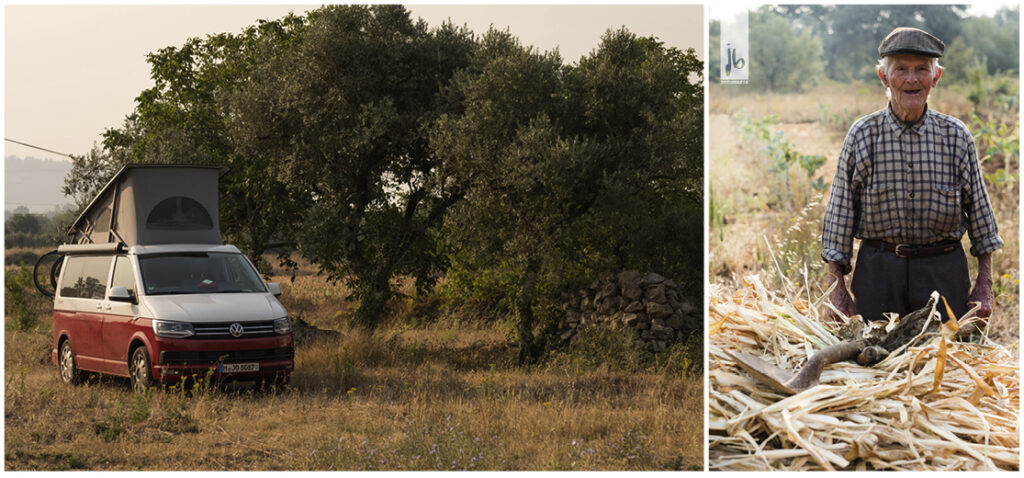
point(236, 330)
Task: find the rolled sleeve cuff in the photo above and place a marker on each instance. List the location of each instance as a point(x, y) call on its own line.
point(833, 255)
point(986, 245)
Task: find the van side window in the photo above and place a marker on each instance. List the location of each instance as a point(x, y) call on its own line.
point(123, 275)
point(85, 277)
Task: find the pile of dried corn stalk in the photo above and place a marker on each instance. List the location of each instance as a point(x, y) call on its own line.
point(937, 405)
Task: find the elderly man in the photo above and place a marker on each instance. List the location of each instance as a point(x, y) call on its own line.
point(908, 185)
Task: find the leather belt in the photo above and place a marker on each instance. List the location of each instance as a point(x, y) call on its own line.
point(911, 251)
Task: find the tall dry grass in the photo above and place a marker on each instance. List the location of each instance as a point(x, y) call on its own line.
point(434, 397)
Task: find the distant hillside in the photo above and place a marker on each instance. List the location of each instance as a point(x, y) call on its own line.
point(34, 183)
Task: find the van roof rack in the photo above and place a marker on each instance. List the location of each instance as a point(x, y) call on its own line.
point(98, 248)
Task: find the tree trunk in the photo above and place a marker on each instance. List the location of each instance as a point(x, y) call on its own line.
point(373, 300)
point(528, 347)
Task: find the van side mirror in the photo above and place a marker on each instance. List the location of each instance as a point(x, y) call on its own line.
point(121, 294)
point(274, 289)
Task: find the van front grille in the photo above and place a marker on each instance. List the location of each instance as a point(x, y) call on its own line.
point(220, 330)
point(176, 357)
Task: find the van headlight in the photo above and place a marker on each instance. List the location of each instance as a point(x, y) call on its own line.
point(282, 325)
point(177, 330)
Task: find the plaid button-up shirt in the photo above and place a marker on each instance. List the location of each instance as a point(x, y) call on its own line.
point(901, 183)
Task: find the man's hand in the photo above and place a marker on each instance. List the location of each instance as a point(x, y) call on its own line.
point(840, 295)
point(982, 292)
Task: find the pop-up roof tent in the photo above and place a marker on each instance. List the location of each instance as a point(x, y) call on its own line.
point(153, 204)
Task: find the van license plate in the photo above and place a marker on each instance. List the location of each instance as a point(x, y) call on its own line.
point(239, 367)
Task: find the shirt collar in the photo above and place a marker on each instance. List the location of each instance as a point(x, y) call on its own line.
point(899, 126)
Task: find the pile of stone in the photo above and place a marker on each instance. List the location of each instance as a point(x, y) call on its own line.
point(647, 305)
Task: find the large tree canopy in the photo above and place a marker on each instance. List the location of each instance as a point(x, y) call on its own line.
point(343, 117)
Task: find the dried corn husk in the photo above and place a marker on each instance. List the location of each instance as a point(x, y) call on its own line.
point(939, 404)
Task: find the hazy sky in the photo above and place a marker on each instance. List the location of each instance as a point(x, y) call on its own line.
point(72, 71)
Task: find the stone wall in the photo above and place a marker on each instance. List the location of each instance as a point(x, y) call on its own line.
point(648, 305)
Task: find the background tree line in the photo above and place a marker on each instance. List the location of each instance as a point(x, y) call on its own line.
point(796, 46)
point(376, 146)
point(24, 229)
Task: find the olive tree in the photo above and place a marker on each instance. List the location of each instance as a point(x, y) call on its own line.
point(566, 164)
point(344, 117)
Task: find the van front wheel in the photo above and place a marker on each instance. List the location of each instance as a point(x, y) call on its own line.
point(69, 373)
point(142, 375)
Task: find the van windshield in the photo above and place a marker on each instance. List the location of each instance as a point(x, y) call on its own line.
point(198, 273)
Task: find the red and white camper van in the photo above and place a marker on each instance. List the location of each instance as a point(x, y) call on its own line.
point(147, 290)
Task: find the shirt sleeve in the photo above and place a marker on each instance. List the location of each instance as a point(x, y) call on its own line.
point(981, 221)
point(840, 219)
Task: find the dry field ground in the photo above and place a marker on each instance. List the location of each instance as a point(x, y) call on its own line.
point(441, 396)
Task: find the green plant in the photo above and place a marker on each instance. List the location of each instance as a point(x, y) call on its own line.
point(345, 371)
point(780, 156)
point(716, 213)
point(19, 304)
point(684, 357)
point(178, 419)
point(838, 122)
point(618, 349)
point(997, 92)
point(998, 146)
point(112, 426)
point(140, 408)
point(489, 383)
point(997, 141)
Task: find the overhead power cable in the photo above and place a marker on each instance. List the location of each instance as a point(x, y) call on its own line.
point(37, 147)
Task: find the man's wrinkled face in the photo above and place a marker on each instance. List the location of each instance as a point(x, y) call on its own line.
point(909, 79)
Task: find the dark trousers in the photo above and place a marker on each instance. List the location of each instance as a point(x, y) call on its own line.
point(885, 282)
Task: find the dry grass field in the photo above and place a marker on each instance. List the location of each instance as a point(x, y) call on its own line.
point(440, 396)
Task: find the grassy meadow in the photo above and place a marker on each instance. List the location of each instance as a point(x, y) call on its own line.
point(430, 390)
point(766, 210)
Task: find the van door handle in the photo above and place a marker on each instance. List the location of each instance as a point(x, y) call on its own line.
point(107, 306)
point(99, 306)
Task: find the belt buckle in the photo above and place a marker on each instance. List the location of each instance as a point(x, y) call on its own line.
point(897, 250)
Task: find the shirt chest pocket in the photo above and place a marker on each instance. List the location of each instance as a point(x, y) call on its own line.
point(943, 209)
point(879, 215)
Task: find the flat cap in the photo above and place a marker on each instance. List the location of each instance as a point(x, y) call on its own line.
point(911, 41)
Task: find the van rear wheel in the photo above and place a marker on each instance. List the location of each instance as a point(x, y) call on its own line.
point(141, 373)
point(69, 372)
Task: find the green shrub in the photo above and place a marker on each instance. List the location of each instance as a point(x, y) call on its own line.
point(618, 349)
point(684, 357)
point(20, 305)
